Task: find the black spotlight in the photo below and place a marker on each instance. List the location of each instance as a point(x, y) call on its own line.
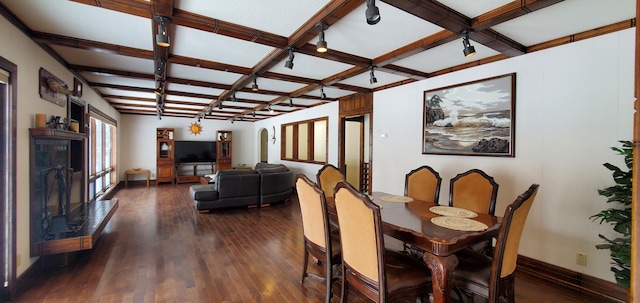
point(289, 63)
point(372, 77)
point(254, 87)
point(162, 38)
point(290, 102)
point(220, 104)
point(321, 46)
point(468, 50)
point(372, 13)
point(322, 94)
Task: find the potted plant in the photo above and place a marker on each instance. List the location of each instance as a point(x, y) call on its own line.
point(619, 216)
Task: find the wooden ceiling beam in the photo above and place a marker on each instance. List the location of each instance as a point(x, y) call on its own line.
point(509, 11)
point(437, 39)
point(52, 39)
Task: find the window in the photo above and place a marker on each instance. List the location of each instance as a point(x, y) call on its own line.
point(305, 141)
point(102, 152)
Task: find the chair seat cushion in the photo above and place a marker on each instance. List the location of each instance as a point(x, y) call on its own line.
point(404, 272)
point(473, 272)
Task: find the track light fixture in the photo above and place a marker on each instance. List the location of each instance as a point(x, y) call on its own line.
point(468, 50)
point(321, 46)
point(270, 109)
point(372, 13)
point(290, 102)
point(372, 77)
point(160, 68)
point(254, 87)
point(254, 113)
point(289, 63)
point(162, 37)
point(322, 94)
point(233, 95)
point(208, 110)
point(219, 104)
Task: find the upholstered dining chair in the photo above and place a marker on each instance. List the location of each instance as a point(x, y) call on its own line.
point(328, 177)
point(494, 278)
point(423, 183)
point(476, 191)
point(318, 239)
point(367, 267)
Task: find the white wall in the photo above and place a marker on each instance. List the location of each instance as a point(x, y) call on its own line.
point(138, 139)
point(573, 103)
point(29, 58)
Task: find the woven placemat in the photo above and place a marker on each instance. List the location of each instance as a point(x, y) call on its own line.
point(394, 198)
point(452, 212)
point(457, 223)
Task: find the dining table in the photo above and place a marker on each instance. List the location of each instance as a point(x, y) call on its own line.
point(410, 221)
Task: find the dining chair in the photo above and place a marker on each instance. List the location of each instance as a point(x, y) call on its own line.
point(328, 177)
point(476, 191)
point(494, 278)
point(381, 275)
point(319, 242)
point(423, 183)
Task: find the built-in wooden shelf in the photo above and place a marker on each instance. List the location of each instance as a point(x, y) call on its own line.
point(97, 215)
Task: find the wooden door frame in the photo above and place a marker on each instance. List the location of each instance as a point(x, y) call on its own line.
point(8, 116)
point(634, 290)
point(356, 105)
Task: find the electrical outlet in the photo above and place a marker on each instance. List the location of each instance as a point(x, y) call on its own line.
point(581, 258)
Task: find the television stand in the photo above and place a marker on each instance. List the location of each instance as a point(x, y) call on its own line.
point(190, 172)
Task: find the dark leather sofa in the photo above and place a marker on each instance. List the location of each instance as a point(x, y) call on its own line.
point(266, 184)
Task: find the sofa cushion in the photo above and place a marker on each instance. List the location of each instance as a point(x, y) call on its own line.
point(204, 192)
point(277, 169)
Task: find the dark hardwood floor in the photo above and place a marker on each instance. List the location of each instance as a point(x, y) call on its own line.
point(157, 248)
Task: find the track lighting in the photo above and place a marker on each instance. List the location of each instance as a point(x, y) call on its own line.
point(372, 13)
point(162, 38)
point(254, 113)
point(220, 104)
point(160, 68)
point(290, 102)
point(233, 95)
point(289, 63)
point(254, 87)
point(372, 77)
point(270, 109)
point(468, 50)
point(208, 111)
point(321, 46)
point(198, 119)
point(322, 94)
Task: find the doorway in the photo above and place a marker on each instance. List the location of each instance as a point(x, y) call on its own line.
point(8, 108)
point(356, 132)
point(263, 145)
point(354, 140)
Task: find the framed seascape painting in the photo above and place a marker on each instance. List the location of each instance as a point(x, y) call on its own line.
point(471, 119)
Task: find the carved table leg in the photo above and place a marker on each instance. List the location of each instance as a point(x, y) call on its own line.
point(441, 269)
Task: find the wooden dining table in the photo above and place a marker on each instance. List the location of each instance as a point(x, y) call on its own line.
point(410, 222)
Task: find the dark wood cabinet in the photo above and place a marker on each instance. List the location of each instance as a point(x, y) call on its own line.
point(224, 148)
point(165, 166)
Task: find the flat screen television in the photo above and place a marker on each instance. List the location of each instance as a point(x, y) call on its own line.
point(195, 151)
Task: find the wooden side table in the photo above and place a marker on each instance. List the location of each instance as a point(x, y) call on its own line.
point(136, 172)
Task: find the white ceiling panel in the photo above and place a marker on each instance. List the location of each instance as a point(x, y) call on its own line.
point(202, 74)
point(105, 60)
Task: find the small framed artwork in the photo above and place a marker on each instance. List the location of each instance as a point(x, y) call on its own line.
point(77, 87)
point(471, 119)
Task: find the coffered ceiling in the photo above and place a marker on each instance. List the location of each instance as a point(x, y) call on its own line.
point(218, 47)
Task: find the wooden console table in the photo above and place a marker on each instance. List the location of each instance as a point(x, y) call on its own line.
point(136, 172)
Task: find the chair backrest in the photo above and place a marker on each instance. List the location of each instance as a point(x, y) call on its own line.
point(474, 190)
point(423, 183)
point(328, 176)
point(313, 208)
point(506, 250)
point(361, 235)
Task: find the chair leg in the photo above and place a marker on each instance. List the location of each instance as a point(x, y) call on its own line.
point(345, 288)
point(329, 280)
point(304, 265)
